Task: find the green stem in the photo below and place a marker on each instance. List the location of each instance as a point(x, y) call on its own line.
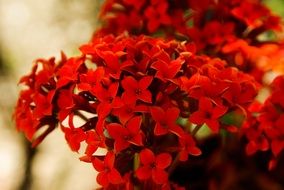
point(196, 129)
point(174, 164)
point(136, 163)
point(30, 154)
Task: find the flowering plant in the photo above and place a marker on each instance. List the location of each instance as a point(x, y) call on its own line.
point(144, 99)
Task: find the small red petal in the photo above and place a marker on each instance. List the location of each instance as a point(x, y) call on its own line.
point(251, 148)
point(152, 25)
point(157, 113)
point(272, 164)
point(177, 130)
point(143, 172)
point(213, 125)
point(147, 157)
point(197, 117)
point(130, 96)
point(98, 164)
point(102, 179)
point(163, 160)
point(277, 147)
point(172, 115)
point(159, 176)
point(194, 151)
point(129, 83)
point(219, 111)
point(116, 130)
point(113, 89)
point(145, 96)
point(133, 125)
point(160, 130)
point(137, 140)
point(145, 82)
point(109, 160)
point(205, 104)
point(114, 177)
point(183, 156)
point(120, 144)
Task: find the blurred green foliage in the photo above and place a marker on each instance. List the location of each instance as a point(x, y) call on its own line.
point(277, 6)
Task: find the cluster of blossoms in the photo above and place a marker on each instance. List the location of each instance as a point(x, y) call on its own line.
point(180, 18)
point(144, 99)
point(264, 127)
point(237, 31)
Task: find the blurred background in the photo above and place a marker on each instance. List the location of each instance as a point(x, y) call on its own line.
point(31, 29)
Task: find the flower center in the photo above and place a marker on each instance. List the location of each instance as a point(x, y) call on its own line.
point(207, 115)
point(164, 124)
point(138, 91)
point(109, 99)
point(127, 137)
point(128, 110)
point(153, 165)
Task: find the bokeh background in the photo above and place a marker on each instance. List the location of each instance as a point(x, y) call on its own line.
point(31, 29)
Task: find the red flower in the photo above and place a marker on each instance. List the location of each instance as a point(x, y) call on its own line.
point(137, 90)
point(43, 105)
point(277, 146)
point(142, 97)
point(240, 93)
point(156, 14)
point(108, 99)
point(166, 120)
point(40, 76)
point(278, 83)
point(94, 141)
point(24, 116)
point(166, 69)
point(278, 90)
point(113, 64)
point(203, 86)
point(136, 4)
point(90, 80)
point(266, 130)
point(128, 109)
point(275, 131)
point(65, 103)
point(124, 136)
point(74, 137)
point(153, 166)
point(195, 81)
point(208, 113)
point(187, 146)
point(217, 33)
point(107, 172)
point(35, 106)
point(251, 13)
point(69, 71)
point(257, 141)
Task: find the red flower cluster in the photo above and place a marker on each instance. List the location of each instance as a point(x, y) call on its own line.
point(143, 99)
point(264, 130)
point(171, 17)
point(231, 30)
point(137, 90)
point(35, 106)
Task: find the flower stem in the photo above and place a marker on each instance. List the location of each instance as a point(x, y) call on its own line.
point(135, 167)
point(82, 116)
point(174, 164)
point(196, 129)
